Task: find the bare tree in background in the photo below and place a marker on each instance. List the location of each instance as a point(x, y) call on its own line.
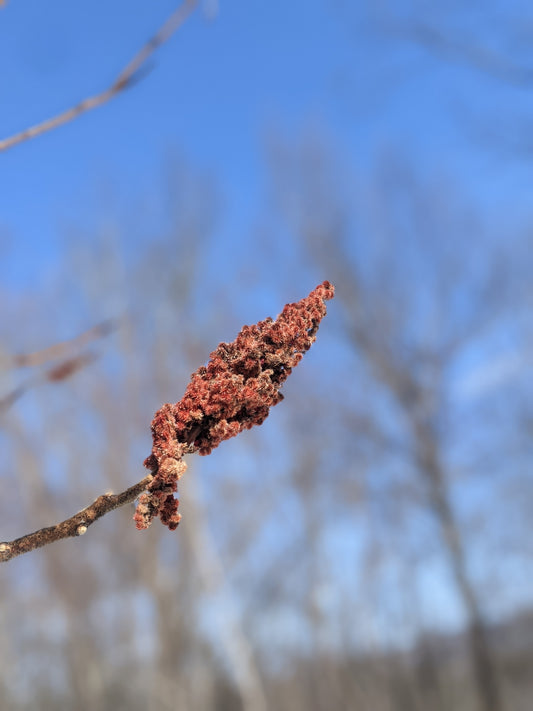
point(484, 44)
point(126, 618)
point(127, 77)
point(413, 302)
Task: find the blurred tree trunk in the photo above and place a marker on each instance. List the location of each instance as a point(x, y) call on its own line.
point(430, 466)
point(421, 406)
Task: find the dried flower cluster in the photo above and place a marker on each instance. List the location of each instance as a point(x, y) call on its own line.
point(235, 391)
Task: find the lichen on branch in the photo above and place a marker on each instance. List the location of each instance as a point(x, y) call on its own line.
point(233, 392)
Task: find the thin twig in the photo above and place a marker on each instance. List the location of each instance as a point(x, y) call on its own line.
point(60, 350)
point(74, 526)
point(67, 366)
point(123, 81)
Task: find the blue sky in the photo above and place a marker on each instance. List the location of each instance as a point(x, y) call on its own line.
point(216, 90)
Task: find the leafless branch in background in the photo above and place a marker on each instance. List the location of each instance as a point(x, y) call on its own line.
point(67, 363)
point(469, 53)
point(60, 371)
point(64, 348)
point(124, 80)
point(489, 47)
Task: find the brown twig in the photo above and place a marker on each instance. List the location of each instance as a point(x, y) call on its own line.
point(67, 366)
point(11, 398)
point(123, 81)
point(74, 526)
point(58, 372)
point(60, 350)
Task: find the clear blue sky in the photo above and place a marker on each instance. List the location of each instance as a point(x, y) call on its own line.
point(215, 90)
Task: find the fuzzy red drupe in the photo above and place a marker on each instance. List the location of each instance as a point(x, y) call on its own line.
point(235, 391)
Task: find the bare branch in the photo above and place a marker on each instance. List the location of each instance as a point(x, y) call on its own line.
point(60, 350)
point(67, 366)
point(74, 526)
point(475, 55)
point(123, 81)
point(11, 398)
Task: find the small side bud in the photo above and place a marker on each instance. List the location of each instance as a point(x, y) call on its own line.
point(82, 528)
